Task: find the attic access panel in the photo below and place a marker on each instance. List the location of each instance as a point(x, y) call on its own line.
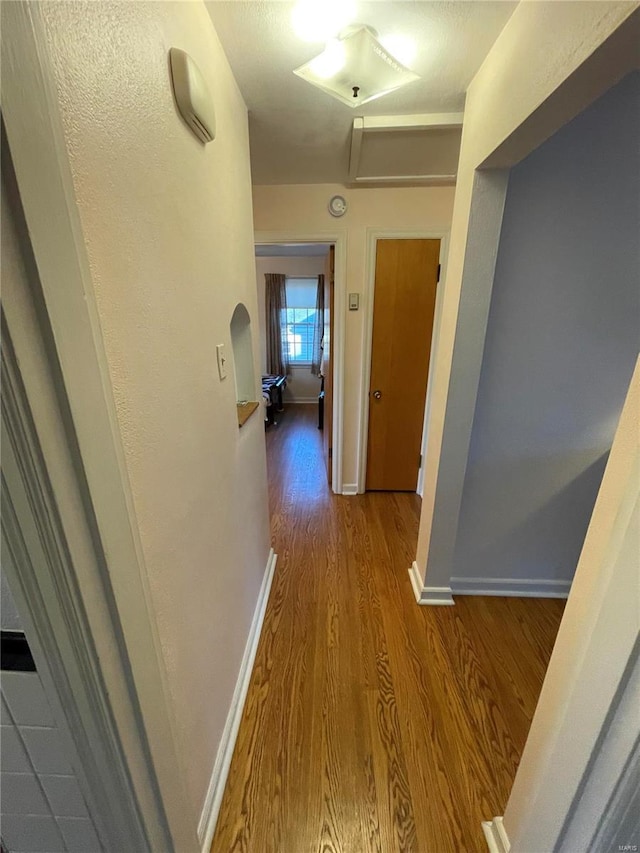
point(406, 149)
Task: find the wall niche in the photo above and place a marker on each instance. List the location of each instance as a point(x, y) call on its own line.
point(243, 371)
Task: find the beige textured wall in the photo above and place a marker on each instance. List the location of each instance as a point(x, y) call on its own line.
point(302, 209)
point(168, 229)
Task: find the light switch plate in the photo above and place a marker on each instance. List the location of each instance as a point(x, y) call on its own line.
point(222, 361)
point(354, 301)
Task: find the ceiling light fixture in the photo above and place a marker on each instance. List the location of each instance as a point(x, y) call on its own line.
point(356, 68)
point(403, 48)
point(330, 62)
point(319, 20)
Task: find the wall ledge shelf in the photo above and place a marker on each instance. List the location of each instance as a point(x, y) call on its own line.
point(245, 410)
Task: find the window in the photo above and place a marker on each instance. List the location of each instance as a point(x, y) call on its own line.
point(299, 319)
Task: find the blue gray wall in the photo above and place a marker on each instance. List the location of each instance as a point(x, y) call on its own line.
point(562, 340)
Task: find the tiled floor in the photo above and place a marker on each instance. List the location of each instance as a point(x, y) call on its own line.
point(43, 810)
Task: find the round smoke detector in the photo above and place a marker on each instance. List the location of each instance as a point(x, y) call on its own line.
point(338, 205)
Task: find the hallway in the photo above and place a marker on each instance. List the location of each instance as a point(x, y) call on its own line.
point(372, 724)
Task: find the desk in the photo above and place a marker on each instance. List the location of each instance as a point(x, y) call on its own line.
point(272, 388)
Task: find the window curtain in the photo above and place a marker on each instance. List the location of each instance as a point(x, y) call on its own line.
point(318, 329)
point(276, 306)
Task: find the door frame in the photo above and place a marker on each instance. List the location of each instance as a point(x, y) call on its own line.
point(373, 235)
point(338, 328)
point(38, 561)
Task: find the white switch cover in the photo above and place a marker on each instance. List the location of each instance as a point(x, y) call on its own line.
point(222, 361)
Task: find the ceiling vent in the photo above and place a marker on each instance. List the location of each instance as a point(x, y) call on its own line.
point(356, 68)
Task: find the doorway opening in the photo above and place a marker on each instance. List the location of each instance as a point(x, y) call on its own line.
point(559, 349)
point(299, 341)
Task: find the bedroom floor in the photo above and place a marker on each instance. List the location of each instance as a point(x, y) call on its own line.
point(373, 724)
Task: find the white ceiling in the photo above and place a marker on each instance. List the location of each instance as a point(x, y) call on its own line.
point(298, 133)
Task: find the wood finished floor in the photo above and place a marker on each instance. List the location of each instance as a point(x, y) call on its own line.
point(373, 724)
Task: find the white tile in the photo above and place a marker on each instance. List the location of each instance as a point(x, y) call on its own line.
point(22, 795)
point(46, 750)
point(25, 697)
point(64, 795)
point(79, 835)
point(5, 716)
point(31, 834)
point(13, 758)
point(9, 616)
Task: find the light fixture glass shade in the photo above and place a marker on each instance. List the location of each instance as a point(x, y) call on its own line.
point(366, 70)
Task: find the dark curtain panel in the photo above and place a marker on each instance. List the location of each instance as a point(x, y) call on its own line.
point(276, 306)
point(318, 329)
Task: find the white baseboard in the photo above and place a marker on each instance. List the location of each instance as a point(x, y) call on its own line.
point(211, 807)
point(496, 835)
point(428, 594)
point(513, 587)
point(349, 488)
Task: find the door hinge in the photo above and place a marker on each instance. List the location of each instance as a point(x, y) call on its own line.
point(419, 461)
point(439, 268)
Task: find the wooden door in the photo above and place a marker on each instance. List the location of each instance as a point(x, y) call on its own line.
point(404, 303)
point(327, 361)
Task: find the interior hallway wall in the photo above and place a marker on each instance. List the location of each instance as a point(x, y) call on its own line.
point(562, 339)
point(168, 230)
point(302, 385)
point(302, 209)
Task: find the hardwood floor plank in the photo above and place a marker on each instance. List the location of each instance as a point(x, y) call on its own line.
point(431, 703)
point(373, 725)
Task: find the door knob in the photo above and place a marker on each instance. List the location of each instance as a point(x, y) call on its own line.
point(377, 394)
